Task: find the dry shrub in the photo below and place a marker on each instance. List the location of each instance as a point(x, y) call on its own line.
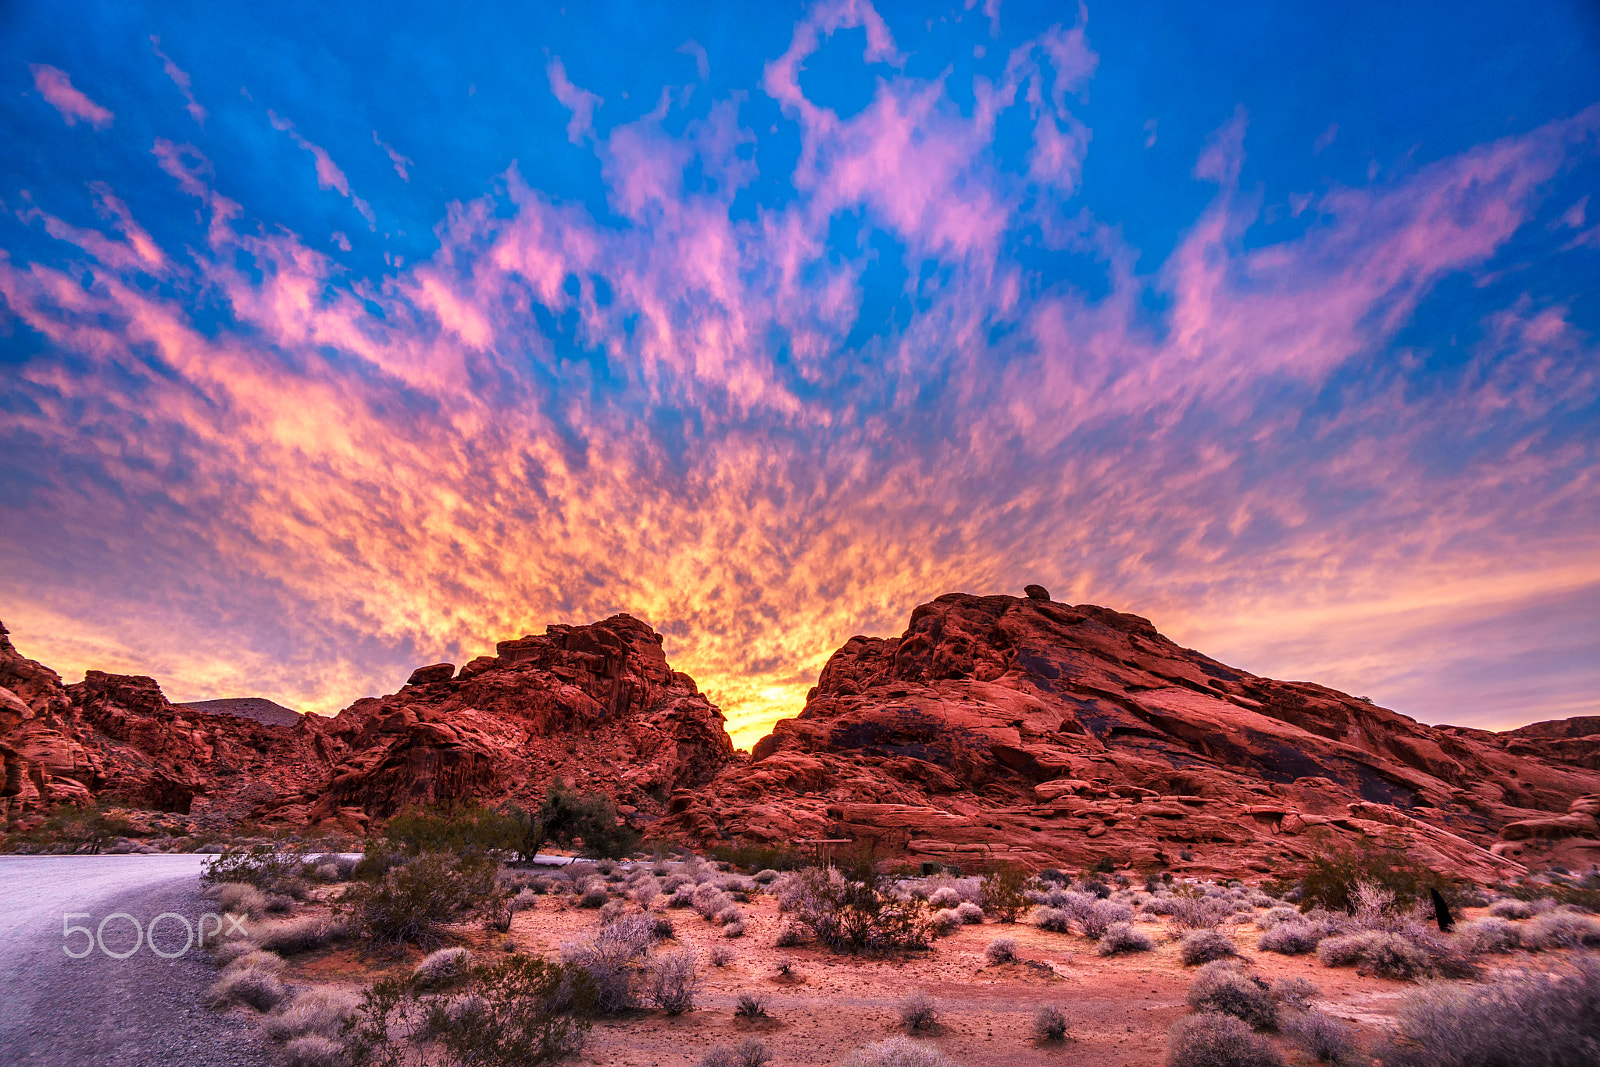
point(1277, 916)
point(1121, 937)
point(520, 1010)
point(410, 902)
point(969, 913)
point(918, 1012)
point(674, 981)
point(944, 921)
point(241, 899)
point(1049, 1024)
point(1325, 1039)
point(1292, 938)
point(1511, 909)
point(1560, 929)
point(314, 1050)
point(1056, 920)
point(1479, 937)
point(751, 1006)
point(258, 987)
point(304, 934)
point(270, 961)
point(611, 961)
point(319, 1011)
point(790, 935)
point(721, 956)
point(1001, 950)
point(1223, 987)
point(748, 1053)
point(1204, 946)
point(1387, 955)
point(445, 965)
point(225, 952)
point(1294, 992)
point(944, 897)
point(898, 1052)
point(1211, 1039)
point(1526, 1019)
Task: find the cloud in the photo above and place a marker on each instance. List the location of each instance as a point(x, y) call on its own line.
point(578, 101)
point(329, 176)
point(56, 87)
point(180, 78)
point(401, 163)
point(677, 409)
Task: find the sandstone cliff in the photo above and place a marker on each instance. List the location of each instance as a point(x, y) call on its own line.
point(997, 727)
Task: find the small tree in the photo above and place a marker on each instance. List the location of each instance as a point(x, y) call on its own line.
point(566, 816)
point(1330, 877)
point(1004, 892)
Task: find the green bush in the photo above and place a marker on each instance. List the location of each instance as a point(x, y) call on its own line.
point(264, 867)
point(408, 903)
point(520, 1010)
point(466, 831)
point(566, 817)
point(1004, 892)
point(1329, 878)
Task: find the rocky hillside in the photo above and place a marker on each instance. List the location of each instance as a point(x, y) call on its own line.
point(258, 708)
point(995, 727)
point(1002, 727)
point(597, 705)
point(116, 737)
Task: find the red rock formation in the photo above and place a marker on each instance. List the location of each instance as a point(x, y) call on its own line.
point(597, 705)
point(998, 727)
point(117, 736)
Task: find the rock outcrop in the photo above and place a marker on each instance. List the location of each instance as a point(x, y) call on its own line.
point(597, 706)
point(258, 708)
point(1005, 728)
point(117, 738)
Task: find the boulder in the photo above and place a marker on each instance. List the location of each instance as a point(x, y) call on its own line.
point(434, 672)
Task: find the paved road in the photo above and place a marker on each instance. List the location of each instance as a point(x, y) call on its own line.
point(139, 1011)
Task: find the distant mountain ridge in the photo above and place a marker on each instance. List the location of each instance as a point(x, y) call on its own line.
point(258, 708)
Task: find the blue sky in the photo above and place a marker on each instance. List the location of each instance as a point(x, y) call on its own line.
point(335, 339)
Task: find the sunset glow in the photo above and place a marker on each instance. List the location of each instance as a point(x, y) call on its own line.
point(334, 342)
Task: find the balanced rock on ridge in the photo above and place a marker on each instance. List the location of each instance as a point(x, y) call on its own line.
point(998, 727)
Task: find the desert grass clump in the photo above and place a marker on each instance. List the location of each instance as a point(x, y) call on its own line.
point(1295, 993)
point(1056, 920)
point(1560, 929)
point(240, 899)
point(594, 895)
point(721, 956)
point(969, 912)
point(1204, 946)
point(270, 961)
point(1049, 1024)
point(944, 897)
point(751, 1006)
point(944, 921)
point(1387, 955)
point(1223, 987)
point(918, 1012)
point(314, 1050)
point(259, 987)
point(527, 899)
point(898, 1052)
point(1526, 1019)
point(1001, 950)
point(1478, 937)
point(1511, 909)
point(1278, 916)
point(1212, 1039)
point(319, 1010)
point(748, 1053)
point(1324, 1038)
point(225, 952)
point(305, 934)
point(764, 877)
point(441, 967)
point(1291, 938)
point(674, 981)
point(1122, 937)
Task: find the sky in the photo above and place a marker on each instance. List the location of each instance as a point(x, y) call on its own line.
point(337, 339)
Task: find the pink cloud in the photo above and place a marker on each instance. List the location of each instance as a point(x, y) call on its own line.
point(578, 101)
point(56, 87)
point(705, 446)
point(329, 176)
point(180, 78)
point(400, 162)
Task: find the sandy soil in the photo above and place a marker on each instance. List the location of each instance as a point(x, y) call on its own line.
point(1120, 1009)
